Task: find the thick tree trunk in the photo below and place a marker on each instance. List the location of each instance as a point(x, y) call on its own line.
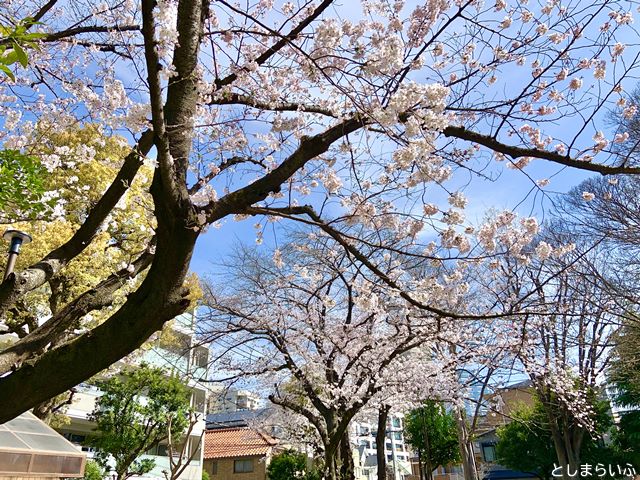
point(347, 468)
point(381, 438)
point(160, 298)
point(465, 444)
point(567, 443)
point(338, 456)
point(161, 295)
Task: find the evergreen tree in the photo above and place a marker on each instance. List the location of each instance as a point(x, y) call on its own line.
point(431, 430)
point(134, 414)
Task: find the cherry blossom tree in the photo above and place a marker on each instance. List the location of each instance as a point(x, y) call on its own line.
point(326, 340)
point(333, 115)
point(566, 336)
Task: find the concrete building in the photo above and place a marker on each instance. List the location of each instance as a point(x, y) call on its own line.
point(505, 401)
point(363, 438)
point(229, 399)
point(177, 353)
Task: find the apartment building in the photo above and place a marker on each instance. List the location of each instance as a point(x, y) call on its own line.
point(177, 353)
point(229, 399)
point(398, 455)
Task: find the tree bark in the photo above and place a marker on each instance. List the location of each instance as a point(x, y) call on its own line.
point(381, 438)
point(161, 295)
point(465, 444)
point(347, 468)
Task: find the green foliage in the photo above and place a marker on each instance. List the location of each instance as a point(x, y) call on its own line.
point(626, 438)
point(21, 184)
point(13, 42)
point(432, 430)
point(289, 465)
point(624, 370)
point(128, 426)
point(93, 471)
point(205, 474)
point(525, 443)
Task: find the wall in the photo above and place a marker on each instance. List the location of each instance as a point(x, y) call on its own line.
point(225, 469)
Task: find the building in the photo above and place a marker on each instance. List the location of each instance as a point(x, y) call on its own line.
point(229, 399)
point(177, 352)
point(505, 401)
point(241, 453)
point(363, 437)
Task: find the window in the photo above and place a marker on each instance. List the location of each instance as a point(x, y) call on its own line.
point(195, 447)
point(243, 466)
point(489, 452)
point(396, 422)
point(397, 435)
point(388, 445)
point(75, 437)
point(199, 400)
point(214, 467)
point(201, 356)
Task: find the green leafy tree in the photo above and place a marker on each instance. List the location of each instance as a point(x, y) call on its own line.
point(93, 471)
point(624, 375)
point(290, 465)
point(22, 185)
point(127, 425)
point(432, 431)
point(525, 443)
point(14, 40)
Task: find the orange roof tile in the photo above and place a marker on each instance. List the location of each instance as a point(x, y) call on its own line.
point(236, 442)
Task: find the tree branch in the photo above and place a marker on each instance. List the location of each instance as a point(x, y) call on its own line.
point(518, 152)
point(98, 297)
point(17, 284)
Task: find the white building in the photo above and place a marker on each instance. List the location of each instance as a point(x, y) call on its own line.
point(179, 353)
point(398, 455)
point(229, 399)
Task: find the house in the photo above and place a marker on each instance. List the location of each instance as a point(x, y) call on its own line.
point(30, 449)
point(179, 353)
point(241, 453)
point(505, 401)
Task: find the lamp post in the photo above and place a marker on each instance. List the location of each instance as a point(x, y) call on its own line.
point(16, 239)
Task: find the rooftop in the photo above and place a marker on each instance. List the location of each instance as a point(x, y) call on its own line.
point(239, 418)
point(236, 442)
point(29, 447)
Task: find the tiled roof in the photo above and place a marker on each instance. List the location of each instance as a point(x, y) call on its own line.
point(236, 442)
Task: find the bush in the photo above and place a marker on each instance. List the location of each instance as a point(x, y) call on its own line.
point(93, 471)
point(289, 465)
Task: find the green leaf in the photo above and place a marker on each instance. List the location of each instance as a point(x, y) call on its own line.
point(7, 72)
point(10, 58)
point(21, 54)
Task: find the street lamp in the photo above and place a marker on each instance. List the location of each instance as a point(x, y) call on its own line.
point(16, 238)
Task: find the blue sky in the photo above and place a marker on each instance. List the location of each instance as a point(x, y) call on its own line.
point(512, 190)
